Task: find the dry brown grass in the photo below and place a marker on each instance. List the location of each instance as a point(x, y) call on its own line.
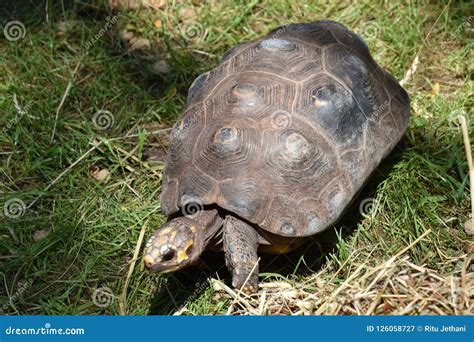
point(395, 287)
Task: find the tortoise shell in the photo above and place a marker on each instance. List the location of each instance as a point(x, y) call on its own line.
point(285, 130)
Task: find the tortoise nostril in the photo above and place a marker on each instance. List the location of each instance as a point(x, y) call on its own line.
point(169, 255)
point(149, 262)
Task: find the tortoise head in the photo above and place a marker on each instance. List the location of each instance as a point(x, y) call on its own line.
point(180, 241)
point(177, 244)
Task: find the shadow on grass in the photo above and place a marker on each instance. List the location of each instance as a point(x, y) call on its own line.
point(35, 13)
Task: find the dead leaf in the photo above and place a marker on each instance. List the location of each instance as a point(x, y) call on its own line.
point(187, 14)
point(134, 4)
point(161, 67)
point(156, 4)
point(131, 27)
point(113, 4)
point(102, 175)
point(139, 44)
point(62, 27)
point(157, 23)
point(469, 227)
point(40, 234)
point(133, 40)
point(124, 4)
point(126, 36)
point(435, 89)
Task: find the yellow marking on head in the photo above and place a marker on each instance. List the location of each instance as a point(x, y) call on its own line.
point(162, 240)
point(182, 252)
point(182, 255)
point(165, 231)
point(148, 260)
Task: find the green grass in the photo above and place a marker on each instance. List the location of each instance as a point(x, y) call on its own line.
point(94, 225)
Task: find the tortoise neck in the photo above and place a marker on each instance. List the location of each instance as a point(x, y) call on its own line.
point(210, 219)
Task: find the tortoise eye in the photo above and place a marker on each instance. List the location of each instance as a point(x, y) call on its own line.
point(169, 255)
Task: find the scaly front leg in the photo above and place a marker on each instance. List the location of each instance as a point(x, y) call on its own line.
point(240, 248)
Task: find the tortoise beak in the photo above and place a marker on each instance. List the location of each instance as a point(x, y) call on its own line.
point(163, 263)
point(159, 267)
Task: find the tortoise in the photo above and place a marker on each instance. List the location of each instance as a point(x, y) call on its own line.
point(273, 145)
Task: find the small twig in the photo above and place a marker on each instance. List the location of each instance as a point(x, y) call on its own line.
point(137, 160)
point(411, 71)
point(18, 108)
point(204, 53)
point(123, 296)
point(13, 234)
point(467, 147)
point(137, 135)
point(407, 248)
point(414, 65)
point(219, 285)
point(65, 95)
point(46, 10)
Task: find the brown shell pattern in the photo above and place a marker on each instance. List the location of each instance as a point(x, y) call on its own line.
point(286, 129)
